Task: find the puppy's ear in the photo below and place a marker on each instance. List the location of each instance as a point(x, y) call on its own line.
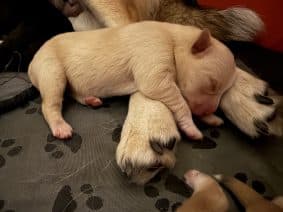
point(202, 43)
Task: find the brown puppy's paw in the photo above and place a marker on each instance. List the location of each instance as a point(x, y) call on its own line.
point(62, 130)
point(246, 105)
point(148, 140)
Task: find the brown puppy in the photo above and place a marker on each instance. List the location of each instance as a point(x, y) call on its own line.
point(250, 199)
point(208, 196)
point(170, 63)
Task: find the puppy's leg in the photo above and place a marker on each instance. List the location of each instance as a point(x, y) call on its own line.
point(48, 76)
point(164, 89)
point(148, 139)
point(246, 105)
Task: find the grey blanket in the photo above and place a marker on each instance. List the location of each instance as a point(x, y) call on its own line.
point(39, 173)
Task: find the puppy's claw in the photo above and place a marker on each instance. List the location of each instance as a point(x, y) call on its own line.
point(171, 144)
point(262, 127)
point(156, 146)
point(264, 99)
point(272, 116)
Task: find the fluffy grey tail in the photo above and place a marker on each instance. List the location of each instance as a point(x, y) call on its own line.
point(244, 23)
point(235, 23)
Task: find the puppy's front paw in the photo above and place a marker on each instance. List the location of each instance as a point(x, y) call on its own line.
point(190, 129)
point(61, 130)
point(246, 105)
point(148, 140)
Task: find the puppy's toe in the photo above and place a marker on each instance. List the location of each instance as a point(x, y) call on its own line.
point(62, 130)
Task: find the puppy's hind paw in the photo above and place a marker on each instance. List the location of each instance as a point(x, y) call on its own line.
point(62, 130)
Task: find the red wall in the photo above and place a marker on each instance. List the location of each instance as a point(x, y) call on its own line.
point(271, 12)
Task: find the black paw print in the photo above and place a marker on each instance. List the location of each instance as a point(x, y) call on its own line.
point(31, 110)
point(12, 151)
point(65, 201)
point(74, 144)
point(257, 185)
point(116, 134)
point(173, 184)
point(2, 205)
point(208, 142)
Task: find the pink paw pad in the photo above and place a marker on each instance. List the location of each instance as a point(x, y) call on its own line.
point(93, 101)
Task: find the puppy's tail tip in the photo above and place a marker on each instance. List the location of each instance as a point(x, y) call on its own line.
point(245, 24)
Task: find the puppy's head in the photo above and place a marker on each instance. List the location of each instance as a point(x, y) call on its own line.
point(198, 180)
point(208, 69)
point(209, 191)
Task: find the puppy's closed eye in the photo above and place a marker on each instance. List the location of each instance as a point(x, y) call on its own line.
point(214, 86)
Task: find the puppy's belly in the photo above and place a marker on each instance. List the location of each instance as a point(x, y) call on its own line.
point(101, 90)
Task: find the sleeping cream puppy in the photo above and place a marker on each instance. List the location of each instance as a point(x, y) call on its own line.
point(181, 66)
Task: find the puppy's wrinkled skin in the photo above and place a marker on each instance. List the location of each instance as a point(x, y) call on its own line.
point(250, 199)
point(207, 196)
point(187, 66)
point(148, 141)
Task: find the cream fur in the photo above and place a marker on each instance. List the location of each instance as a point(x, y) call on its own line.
point(242, 94)
point(89, 61)
point(134, 154)
point(243, 25)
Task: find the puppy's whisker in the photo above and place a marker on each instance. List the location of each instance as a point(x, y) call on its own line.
point(107, 165)
point(76, 171)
